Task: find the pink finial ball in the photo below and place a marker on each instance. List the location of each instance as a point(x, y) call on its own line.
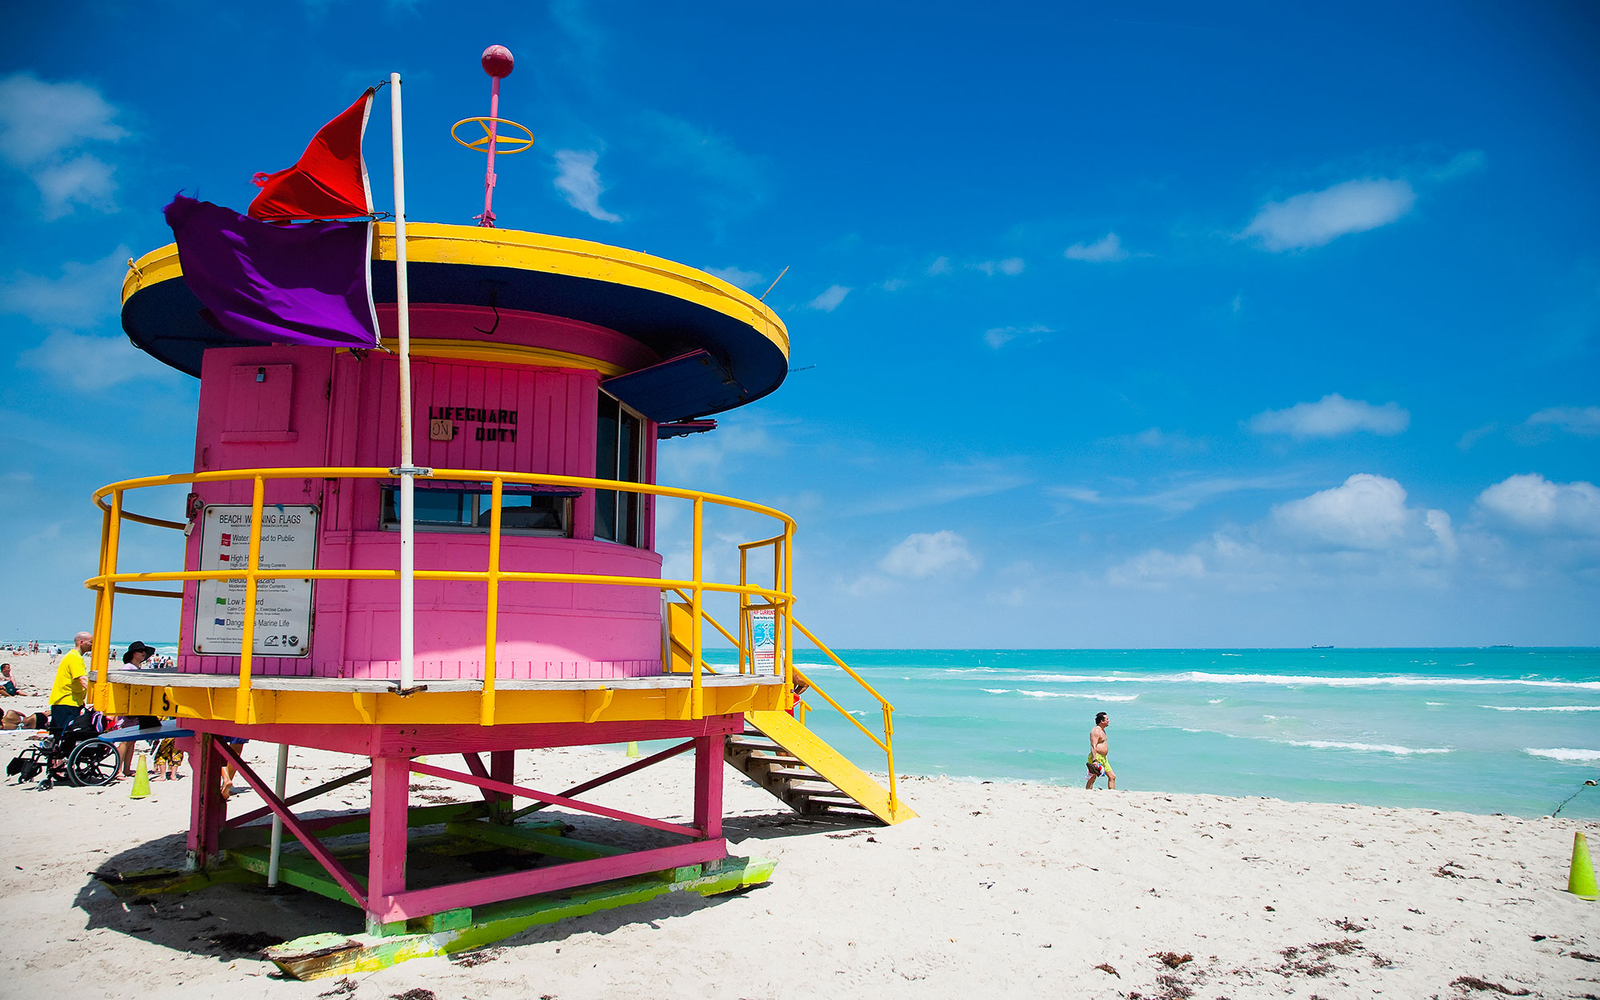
point(497, 61)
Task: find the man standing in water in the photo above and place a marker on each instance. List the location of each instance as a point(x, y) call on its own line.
point(1099, 752)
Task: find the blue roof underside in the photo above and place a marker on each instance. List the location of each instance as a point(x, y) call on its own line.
point(164, 321)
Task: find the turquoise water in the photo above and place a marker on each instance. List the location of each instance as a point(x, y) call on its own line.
point(1510, 730)
point(1479, 730)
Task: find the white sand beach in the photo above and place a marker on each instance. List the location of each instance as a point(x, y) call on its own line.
point(997, 889)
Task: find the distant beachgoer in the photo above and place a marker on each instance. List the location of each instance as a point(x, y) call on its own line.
point(17, 720)
point(71, 688)
point(1100, 752)
point(135, 657)
point(7, 683)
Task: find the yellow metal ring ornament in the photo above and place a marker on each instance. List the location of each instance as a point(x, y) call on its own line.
point(504, 145)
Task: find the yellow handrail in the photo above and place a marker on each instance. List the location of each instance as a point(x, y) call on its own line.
point(106, 583)
point(887, 744)
point(108, 580)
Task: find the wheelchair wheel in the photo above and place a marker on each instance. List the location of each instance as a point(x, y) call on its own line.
point(93, 762)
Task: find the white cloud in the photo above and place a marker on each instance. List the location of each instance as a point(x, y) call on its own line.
point(922, 555)
point(83, 296)
point(1583, 420)
point(83, 360)
point(1106, 249)
point(1534, 504)
point(940, 265)
point(829, 300)
point(1367, 512)
point(1315, 218)
point(736, 276)
point(1156, 568)
point(43, 124)
point(1011, 266)
point(894, 284)
point(1331, 416)
point(1000, 336)
point(579, 182)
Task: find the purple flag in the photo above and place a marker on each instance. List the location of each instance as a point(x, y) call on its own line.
point(309, 283)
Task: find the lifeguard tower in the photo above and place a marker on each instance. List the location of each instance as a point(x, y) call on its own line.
point(545, 373)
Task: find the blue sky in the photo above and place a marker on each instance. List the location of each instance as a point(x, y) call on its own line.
point(1121, 325)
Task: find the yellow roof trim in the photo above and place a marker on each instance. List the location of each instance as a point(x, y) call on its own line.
point(436, 243)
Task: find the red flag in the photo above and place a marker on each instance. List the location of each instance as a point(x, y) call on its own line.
point(329, 181)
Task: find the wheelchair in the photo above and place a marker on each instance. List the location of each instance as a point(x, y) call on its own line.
point(75, 755)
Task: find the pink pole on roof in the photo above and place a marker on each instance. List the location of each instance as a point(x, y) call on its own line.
point(497, 62)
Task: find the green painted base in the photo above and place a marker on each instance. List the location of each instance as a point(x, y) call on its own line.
point(319, 955)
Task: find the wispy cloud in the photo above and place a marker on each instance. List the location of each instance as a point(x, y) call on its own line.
point(1581, 420)
point(579, 181)
point(83, 296)
point(1332, 416)
point(85, 361)
point(1477, 434)
point(1010, 266)
point(1106, 249)
point(736, 276)
point(731, 181)
point(829, 300)
point(42, 128)
point(1183, 496)
point(1316, 218)
point(924, 554)
point(1157, 439)
point(940, 265)
point(1000, 336)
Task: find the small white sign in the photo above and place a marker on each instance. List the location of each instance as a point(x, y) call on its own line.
point(283, 607)
point(764, 639)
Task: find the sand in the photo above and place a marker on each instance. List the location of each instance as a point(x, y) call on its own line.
point(997, 890)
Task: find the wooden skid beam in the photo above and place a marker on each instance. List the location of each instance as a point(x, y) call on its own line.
point(161, 881)
point(498, 888)
point(321, 955)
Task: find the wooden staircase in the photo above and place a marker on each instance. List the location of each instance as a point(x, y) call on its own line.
point(806, 773)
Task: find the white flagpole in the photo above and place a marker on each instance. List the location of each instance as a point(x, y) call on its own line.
point(406, 471)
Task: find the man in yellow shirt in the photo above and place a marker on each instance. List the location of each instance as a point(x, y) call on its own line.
point(71, 688)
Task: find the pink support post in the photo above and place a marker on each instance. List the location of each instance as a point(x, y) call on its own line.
point(708, 785)
point(208, 810)
point(386, 865)
point(502, 767)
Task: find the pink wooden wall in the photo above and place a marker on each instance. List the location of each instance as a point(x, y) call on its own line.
point(317, 407)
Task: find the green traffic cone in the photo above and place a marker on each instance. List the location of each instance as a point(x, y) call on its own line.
point(141, 789)
point(633, 748)
point(1581, 882)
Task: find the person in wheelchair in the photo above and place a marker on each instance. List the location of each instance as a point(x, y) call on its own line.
point(74, 753)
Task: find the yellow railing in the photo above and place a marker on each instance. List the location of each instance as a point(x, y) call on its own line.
point(108, 582)
point(802, 684)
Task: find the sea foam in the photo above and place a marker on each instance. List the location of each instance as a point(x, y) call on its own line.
point(1364, 747)
point(1566, 755)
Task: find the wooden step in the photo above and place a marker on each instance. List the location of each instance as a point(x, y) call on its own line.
point(766, 757)
point(795, 772)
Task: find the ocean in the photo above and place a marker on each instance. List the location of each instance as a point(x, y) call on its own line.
point(1496, 730)
point(1499, 730)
